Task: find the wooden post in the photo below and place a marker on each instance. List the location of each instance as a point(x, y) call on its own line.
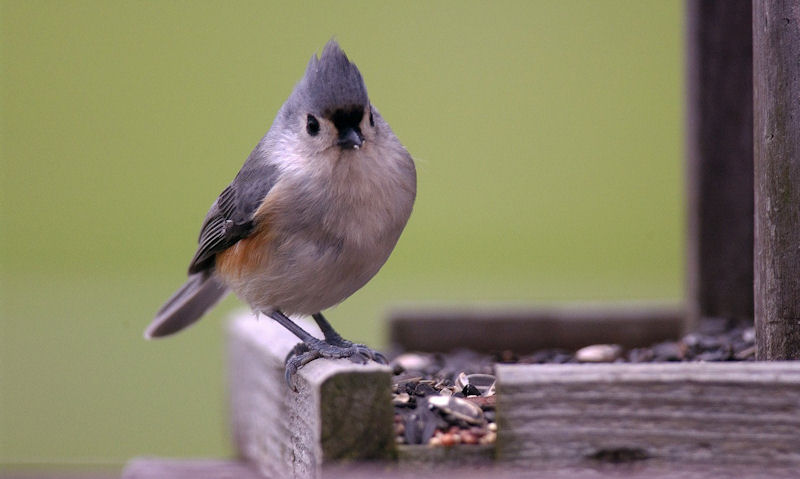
point(776, 53)
point(719, 149)
point(341, 410)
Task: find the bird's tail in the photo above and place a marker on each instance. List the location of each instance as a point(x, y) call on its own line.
point(200, 292)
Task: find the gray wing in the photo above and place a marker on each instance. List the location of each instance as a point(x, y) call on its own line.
point(230, 218)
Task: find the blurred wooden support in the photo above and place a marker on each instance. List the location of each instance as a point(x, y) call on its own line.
point(152, 468)
point(490, 329)
point(776, 48)
point(341, 410)
point(673, 413)
point(719, 148)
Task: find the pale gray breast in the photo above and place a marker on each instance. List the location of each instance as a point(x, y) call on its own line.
point(335, 227)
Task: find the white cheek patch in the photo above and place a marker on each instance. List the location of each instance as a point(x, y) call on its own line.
point(289, 156)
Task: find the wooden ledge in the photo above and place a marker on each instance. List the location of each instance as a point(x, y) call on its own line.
point(524, 330)
point(341, 410)
point(673, 413)
point(153, 468)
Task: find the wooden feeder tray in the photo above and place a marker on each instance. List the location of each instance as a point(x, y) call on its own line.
point(662, 416)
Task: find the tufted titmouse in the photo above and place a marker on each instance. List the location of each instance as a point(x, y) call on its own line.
point(312, 215)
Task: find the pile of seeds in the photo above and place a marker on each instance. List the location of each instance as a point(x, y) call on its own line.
point(717, 340)
point(449, 399)
point(444, 400)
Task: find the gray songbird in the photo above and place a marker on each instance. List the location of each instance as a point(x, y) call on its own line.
point(310, 218)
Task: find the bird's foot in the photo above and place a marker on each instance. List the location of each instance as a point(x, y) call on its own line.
point(303, 353)
point(359, 349)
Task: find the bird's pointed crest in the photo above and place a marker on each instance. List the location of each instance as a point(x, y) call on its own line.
point(331, 82)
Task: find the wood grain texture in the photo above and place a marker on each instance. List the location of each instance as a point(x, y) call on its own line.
point(523, 330)
point(151, 468)
point(679, 413)
point(341, 410)
point(776, 77)
point(719, 149)
point(458, 458)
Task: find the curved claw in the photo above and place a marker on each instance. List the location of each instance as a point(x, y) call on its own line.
point(371, 354)
point(379, 358)
point(368, 354)
point(297, 350)
point(296, 361)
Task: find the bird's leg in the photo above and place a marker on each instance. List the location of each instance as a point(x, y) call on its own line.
point(313, 348)
point(335, 339)
point(331, 336)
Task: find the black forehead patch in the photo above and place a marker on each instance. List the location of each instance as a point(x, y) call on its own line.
point(331, 83)
point(343, 119)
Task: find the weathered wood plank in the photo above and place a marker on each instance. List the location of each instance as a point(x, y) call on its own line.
point(525, 330)
point(776, 76)
point(341, 410)
point(719, 148)
point(593, 471)
point(681, 413)
point(460, 457)
point(144, 468)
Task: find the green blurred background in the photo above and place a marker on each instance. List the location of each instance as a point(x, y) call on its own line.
point(547, 136)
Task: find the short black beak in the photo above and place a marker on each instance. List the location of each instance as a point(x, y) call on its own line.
point(351, 139)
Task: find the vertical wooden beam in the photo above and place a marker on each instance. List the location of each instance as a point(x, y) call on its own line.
point(719, 148)
point(776, 65)
point(341, 410)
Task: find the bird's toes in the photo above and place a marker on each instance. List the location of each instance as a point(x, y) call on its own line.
point(298, 357)
point(303, 353)
point(297, 350)
point(367, 353)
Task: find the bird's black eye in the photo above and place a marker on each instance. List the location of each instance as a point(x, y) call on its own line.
point(371, 120)
point(312, 125)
